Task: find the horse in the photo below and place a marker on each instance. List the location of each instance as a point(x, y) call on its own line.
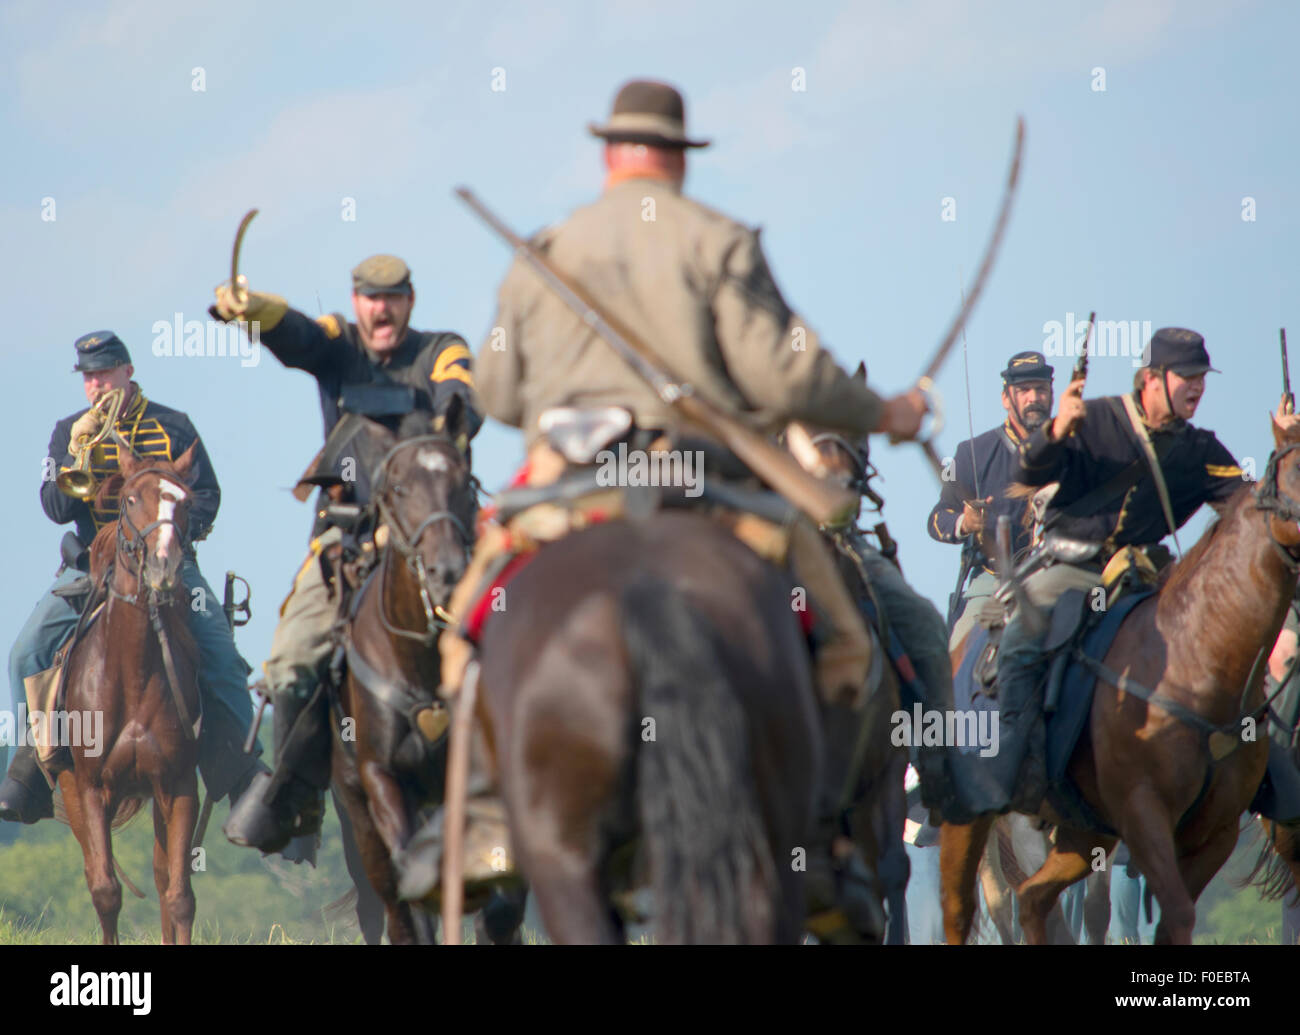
point(1153, 772)
point(388, 769)
point(137, 666)
point(1018, 847)
point(878, 818)
point(647, 707)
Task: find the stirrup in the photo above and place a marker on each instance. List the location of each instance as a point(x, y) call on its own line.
point(20, 803)
point(256, 823)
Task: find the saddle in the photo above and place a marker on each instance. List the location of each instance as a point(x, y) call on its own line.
point(584, 445)
point(45, 690)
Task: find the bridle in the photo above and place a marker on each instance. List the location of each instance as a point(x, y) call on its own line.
point(1270, 498)
point(132, 547)
point(435, 616)
point(863, 470)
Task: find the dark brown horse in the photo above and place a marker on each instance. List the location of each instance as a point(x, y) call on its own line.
point(646, 696)
point(383, 768)
point(1163, 781)
point(875, 794)
point(137, 666)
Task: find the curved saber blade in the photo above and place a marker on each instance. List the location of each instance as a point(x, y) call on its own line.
point(990, 254)
point(235, 288)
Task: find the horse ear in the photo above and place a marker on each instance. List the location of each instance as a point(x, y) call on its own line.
point(127, 462)
point(184, 464)
point(454, 422)
point(109, 488)
point(861, 372)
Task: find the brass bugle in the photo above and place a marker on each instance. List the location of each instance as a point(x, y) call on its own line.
point(77, 481)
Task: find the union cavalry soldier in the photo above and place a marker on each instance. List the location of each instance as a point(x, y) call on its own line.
point(151, 430)
point(695, 285)
point(1131, 469)
point(377, 367)
point(988, 465)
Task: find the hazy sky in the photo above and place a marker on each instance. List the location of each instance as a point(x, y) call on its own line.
point(137, 133)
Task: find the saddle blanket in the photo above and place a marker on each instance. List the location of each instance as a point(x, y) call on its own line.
point(1066, 724)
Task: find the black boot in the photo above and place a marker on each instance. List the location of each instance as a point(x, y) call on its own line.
point(289, 802)
point(25, 797)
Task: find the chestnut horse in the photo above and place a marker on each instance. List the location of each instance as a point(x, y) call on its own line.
point(1150, 774)
point(137, 666)
point(648, 685)
point(426, 501)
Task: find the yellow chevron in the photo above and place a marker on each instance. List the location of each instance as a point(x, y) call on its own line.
point(1223, 471)
point(442, 365)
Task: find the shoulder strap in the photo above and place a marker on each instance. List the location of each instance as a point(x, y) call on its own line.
point(1114, 488)
point(1144, 440)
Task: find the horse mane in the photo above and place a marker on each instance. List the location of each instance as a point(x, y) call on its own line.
point(1181, 571)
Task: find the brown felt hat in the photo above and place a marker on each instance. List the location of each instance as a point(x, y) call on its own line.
point(647, 112)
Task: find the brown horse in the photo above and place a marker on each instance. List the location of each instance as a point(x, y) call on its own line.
point(1150, 774)
point(876, 796)
point(647, 699)
point(137, 666)
point(387, 770)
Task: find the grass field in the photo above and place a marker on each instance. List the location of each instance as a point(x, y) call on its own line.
point(245, 899)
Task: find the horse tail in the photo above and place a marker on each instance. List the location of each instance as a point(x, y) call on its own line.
point(1270, 872)
point(710, 864)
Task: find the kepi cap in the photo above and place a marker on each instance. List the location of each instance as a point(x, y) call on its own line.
point(1027, 366)
point(382, 275)
point(100, 350)
point(1179, 350)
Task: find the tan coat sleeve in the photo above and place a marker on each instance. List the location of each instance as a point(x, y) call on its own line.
point(499, 367)
point(774, 358)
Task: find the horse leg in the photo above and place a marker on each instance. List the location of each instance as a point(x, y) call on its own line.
point(105, 891)
point(888, 814)
point(1068, 861)
point(376, 856)
point(370, 907)
point(161, 878)
point(1200, 865)
point(997, 895)
point(1148, 830)
point(1096, 906)
point(960, 849)
point(180, 816)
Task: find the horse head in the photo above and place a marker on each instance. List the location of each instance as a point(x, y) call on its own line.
point(1278, 491)
point(153, 499)
point(426, 497)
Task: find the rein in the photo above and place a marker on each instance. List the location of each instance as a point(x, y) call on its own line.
point(434, 615)
point(133, 548)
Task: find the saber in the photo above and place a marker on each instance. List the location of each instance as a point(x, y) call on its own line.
point(1287, 397)
point(926, 381)
point(986, 264)
point(237, 291)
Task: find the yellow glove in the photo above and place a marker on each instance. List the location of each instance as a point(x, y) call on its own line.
point(248, 306)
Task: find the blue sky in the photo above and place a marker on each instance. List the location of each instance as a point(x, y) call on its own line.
point(1131, 201)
